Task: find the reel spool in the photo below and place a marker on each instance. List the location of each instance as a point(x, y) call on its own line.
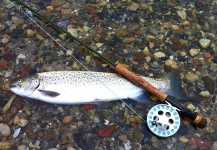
point(163, 120)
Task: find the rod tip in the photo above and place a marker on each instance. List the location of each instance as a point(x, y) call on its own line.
point(202, 123)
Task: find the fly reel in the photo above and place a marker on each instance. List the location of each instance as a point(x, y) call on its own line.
point(163, 120)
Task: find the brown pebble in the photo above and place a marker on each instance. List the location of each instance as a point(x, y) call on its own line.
point(67, 119)
point(16, 119)
point(5, 145)
point(207, 55)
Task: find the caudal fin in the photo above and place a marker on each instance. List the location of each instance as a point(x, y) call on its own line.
point(176, 90)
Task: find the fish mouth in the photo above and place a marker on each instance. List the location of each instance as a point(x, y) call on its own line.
point(14, 86)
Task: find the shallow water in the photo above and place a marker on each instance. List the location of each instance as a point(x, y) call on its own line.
point(151, 38)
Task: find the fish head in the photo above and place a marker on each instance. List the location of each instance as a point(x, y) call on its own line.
point(25, 86)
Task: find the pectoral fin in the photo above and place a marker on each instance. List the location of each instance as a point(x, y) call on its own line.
point(49, 93)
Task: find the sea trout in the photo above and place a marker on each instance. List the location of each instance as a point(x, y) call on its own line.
point(79, 87)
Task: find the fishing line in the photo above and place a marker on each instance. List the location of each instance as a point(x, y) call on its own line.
point(73, 57)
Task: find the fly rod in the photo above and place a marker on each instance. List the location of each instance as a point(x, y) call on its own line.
point(163, 97)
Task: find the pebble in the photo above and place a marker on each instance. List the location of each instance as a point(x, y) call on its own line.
point(39, 37)
point(207, 55)
point(159, 54)
point(214, 145)
point(191, 107)
point(183, 139)
point(134, 6)
point(175, 27)
point(69, 52)
point(8, 73)
point(171, 63)
point(182, 14)
point(16, 132)
point(16, 120)
point(123, 138)
point(205, 42)
point(23, 122)
point(30, 33)
point(194, 52)
point(5, 145)
point(127, 146)
point(2, 26)
point(51, 8)
point(95, 120)
point(191, 77)
point(67, 119)
point(204, 94)
point(5, 40)
point(5, 129)
point(72, 30)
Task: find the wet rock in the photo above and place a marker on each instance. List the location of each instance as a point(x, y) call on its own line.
point(182, 14)
point(30, 33)
point(171, 63)
point(159, 54)
point(205, 42)
point(6, 145)
point(202, 5)
point(175, 27)
point(191, 77)
point(204, 94)
point(191, 107)
point(207, 55)
point(16, 120)
point(214, 145)
point(3, 64)
point(134, 6)
point(183, 139)
point(194, 52)
point(106, 131)
point(67, 119)
point(203, 143)
point(123, 138)
point(16, 132)
point(57, 3)
point(5, 129)
point(209, 84)
point(23, 122)
point(72, 30)
point(9, 56)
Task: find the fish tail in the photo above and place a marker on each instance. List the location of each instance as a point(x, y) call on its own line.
point(176, 90)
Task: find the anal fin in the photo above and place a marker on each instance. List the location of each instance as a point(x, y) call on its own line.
point(143, 97)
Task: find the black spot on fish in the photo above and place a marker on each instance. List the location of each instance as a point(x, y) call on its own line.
point(49, 93)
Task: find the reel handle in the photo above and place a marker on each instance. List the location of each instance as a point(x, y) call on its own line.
point(199, 121)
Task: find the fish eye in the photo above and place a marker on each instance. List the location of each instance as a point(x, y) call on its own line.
point(19, 81)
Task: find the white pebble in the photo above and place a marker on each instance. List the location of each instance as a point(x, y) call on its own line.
point(5, 40)
point(21, 56)
point(5, 129)
point(8, 73)
point(127, 146)
point(16, 132)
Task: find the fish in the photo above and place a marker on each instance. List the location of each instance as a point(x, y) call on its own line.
point(87, 87)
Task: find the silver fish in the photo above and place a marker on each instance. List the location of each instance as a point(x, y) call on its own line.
point(79, 87)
